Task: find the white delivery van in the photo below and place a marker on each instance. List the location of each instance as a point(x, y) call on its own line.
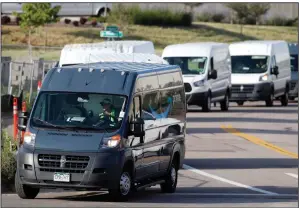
point(293, 93)
point(260, 71)
point(82, 53)
point(206, 72)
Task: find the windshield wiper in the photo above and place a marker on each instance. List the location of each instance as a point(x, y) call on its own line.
point(84, 128)
point(48, 123)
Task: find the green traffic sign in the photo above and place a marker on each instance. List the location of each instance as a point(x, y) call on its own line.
point(112, 29)
point(110, 34)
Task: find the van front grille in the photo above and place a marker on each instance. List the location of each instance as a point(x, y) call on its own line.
point(52, 170)
point(69, 162)
point(242, 88)
point(188, 87)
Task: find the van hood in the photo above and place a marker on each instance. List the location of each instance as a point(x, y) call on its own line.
point(68, 141)
point(245, 78)
point(193, 78)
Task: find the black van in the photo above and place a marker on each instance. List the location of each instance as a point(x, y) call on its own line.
point(116, 126)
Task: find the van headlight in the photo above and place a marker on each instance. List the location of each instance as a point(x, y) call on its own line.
point(28, 139)
point(111, 141)
point(199, 83)
point(264, 77)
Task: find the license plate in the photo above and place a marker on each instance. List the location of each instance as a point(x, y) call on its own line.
point(62, 177)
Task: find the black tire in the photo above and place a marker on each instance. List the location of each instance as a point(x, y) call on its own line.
point(270, 100)
point(240, 103)
point(24, 191)
point(285, 99)
point(119, 194)
point(224, 105)
point(207, 104)
point(171, 179)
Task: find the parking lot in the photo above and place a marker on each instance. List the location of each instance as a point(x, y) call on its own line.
point(246, 157)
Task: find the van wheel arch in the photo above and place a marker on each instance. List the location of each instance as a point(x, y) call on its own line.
point(102, 10)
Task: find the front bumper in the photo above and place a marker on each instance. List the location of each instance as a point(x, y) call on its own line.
point(102, 170)
point(196, 98)
point(250, 92)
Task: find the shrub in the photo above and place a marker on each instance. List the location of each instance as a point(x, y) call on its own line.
point(158, 17)
point(5, 20)
point(162, 18)
point(204, 17)
point(18, 20)
point(94, 22)
point(83, 20)
point(218, 17)
point(76, 23)
point(8, 162)
point(67, 21)
point(280, 21)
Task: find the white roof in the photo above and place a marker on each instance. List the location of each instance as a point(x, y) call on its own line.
point(122, 46)
point(80, 53)
point(253, 47)
point(191, 49)
point(121, 57)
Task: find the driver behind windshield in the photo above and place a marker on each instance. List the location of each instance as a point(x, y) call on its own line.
point(262, 64)
point(108, 111)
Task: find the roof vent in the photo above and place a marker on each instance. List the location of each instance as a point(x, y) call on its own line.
point(79, 69)
point(102, 70)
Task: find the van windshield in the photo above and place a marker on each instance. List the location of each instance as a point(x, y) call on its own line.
point(249, 64)
point(189, 65)
point(77, 110)
point(294, 63)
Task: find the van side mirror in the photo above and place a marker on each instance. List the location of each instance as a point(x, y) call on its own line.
point(23, 119)
point(275, 70)
point(212, 74)
point(138, 127)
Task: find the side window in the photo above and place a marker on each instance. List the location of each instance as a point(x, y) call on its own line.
point(150, 106)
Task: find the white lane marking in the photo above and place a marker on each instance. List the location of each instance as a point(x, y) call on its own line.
point(187, 167)
point(292, 175)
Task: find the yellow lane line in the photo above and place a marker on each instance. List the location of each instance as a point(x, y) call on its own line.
point(258, 141)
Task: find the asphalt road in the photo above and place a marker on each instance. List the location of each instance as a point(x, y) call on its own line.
point(246, 157)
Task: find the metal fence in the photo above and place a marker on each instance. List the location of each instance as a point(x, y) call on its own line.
point(17, 77)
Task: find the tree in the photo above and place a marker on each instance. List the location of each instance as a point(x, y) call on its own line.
point(242, 11)
point(191, 6)
point(258, 9)
point(35, 15)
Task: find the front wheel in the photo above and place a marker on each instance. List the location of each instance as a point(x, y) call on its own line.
point(124, 190)
point(25, 191)
point(224, 105)
point(171, 180)
point(207, 104)
point(240, 103)
point(270, 100)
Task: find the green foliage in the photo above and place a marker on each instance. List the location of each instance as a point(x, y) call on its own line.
point(258, 9)
point(8, 162)
point(123, 16)
point(241, 9)
point(249, 13)
point(37, 14)
point(280, 21)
